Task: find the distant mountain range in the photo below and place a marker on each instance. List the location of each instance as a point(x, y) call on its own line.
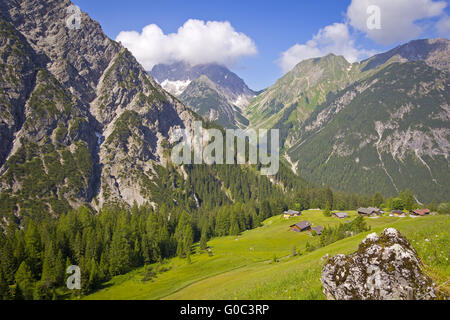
point(211, 90)
point(379, 125)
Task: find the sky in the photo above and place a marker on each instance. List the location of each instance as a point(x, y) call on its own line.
point(262, 40)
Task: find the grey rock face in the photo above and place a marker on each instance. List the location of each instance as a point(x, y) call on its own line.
point(204, 97)
point(65, 90)
point(385, 267)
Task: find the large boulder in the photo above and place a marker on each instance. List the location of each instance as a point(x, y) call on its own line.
point(385, 267)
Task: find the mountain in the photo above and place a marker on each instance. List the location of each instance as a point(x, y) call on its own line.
point(385, 133)
point(290, 101)
point(363, 127)
point(226, 95)
point(81, 120)
point(205, 98)
point(434, 52)
point(82, 123)
point(293, 97)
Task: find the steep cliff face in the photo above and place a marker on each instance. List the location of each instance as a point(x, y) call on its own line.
point(80, 119)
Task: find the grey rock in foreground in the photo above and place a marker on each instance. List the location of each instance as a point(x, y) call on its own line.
point(384, 267)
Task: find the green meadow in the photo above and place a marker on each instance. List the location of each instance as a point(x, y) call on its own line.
point(259, 263)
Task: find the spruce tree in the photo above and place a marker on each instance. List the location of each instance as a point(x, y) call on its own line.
point(25, 281)
point(203, 241)
point(7, 262)
point(33, 249)
point(327, 212)
point(4, 288)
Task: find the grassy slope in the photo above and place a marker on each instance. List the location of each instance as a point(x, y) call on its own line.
point(242, 267)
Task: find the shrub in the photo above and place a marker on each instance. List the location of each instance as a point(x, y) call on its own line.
point(398, 204)
point(444, 208)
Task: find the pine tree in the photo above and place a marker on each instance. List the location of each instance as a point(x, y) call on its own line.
point(49, 268)
point(42, 291)
point(189, 239)
point(7, 261)
point(234, 231)
point(408, 199)
point(188, 258)
point(93, 280)
point(327, 212)
point(266, 211)
point(4, 288)
point(203, 241)
point(25, 281)
point(378, 200)
point(33, 249)
point(119, 254)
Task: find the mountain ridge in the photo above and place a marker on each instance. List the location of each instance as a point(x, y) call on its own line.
point(382, 133)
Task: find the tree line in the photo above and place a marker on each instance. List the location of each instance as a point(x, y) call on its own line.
point(35, 253)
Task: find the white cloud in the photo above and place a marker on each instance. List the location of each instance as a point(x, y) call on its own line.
point(443, 26)
point(335, 38)
point(196, 42)
point(399, 18)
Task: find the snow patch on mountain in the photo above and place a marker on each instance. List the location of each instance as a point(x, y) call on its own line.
point(175, 87)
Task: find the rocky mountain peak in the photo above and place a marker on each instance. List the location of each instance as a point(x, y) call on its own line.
point(435, 52)
point(228, 83)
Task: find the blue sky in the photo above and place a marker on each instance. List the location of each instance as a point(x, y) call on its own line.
point(274, 26)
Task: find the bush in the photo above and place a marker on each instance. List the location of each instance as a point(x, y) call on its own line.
point(444, 208)
point(397, 204)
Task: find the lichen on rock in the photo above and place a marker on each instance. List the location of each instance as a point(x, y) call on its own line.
point(384, 267)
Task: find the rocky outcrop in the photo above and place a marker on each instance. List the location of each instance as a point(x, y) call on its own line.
point(385, 267)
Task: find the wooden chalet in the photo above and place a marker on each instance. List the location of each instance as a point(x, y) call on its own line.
point(398, 213)
point(291, 213)
point(318, 230)
point(420, 212)
point(370, 211)
point(301, 226)
point(341, 215)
